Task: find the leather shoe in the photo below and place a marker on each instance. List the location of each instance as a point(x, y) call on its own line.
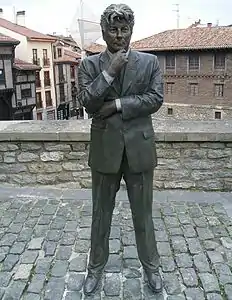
point(91, 283)
point(155, 282)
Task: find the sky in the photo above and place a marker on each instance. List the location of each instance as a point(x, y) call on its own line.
point(151, 16)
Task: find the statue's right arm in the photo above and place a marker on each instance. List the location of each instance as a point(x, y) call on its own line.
point(92, 89)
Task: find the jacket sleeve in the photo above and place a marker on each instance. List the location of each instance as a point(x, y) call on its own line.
point(92, 90)
point(147, 103)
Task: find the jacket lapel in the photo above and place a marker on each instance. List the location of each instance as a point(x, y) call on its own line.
point(104, 64)
point(130, 72)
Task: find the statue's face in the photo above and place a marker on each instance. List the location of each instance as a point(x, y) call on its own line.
point(117, 36)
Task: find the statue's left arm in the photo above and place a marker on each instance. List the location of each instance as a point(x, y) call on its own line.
point(147, 103)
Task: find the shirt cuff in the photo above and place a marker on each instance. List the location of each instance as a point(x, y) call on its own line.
point(108, 78)
point(118, 105)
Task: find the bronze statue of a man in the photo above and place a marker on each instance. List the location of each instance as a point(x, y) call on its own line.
point(121, 88)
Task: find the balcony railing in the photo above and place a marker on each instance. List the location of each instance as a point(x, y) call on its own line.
point(38, 83)
point(61, 78)
point(47, 82)
point(36, 61)
point(46, 62)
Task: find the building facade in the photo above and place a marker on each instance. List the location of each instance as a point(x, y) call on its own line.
point(197, 68)
point(66, 63)
point(35, 48)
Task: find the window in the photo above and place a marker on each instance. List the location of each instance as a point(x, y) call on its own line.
point(35, 56)
point(170, 62)
point(218, 115)
point(169, 87)
point(170, 111)
point(194, 62)
point(2, 76)
point(219, 61)
point(26, 93)
point(193, 89)
point(219, 90)
point(48, 98)
point(37, 79)
point(51, 115)
point(72, 71)
point(47, 78)
point(62, 95)
point(59, 52)
point(45, 57)
point(60, 72)
point(54, 52)
point(39, 103)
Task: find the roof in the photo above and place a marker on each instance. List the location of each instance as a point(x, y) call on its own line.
point(68, 57)
point(187, 39)
point(29, 33)
point(23, 65)
point(4, 39)
point(96, 48)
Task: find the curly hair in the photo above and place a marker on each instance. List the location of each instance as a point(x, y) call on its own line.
point(117, 12)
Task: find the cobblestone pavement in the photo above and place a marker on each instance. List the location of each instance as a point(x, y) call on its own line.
point(45, 238)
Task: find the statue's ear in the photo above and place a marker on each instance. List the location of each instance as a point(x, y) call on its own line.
point(103, 34)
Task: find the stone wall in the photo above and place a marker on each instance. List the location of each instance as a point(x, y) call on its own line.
point(191, 155)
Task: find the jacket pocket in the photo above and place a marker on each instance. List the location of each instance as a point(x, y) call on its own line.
point(148, 134)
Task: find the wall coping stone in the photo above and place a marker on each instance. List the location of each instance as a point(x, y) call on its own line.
point(166, 130)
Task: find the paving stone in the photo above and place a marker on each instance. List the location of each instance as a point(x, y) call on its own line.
point(130, 252)
point(31, 222)
point(73, 296)
point(189, 277)
point(214, 297)
point(49, 209)
point(172, 284)
point(115, 246)
point(9, 262)
point(224, 274)
point(18, 248)
point(159, 224)
point(64, 252)
point(167, 263)
point(15, 290)
point(201, 263)
point(171, 222)
point(75, 281)
point(43, 265)
point(200, 222)
point(15, 228)
point(114, 264)
point(115, 232)
point(228, 292)
point(161, 236)
point(8, 239)
point(68, 238)
point(29, 257)
point(82, 246)
point(36, 244)
point(132, 273)
point(54, 235)
point(84, 233)
point(194, 294)
point(164, 249)
point(112, 285)
point(25, 235)
point(71, 226)
point(194, 245)
point(209, 282)
point(215, 257)
point(23, 272)
point(210, 245)
point(184, 218)
point(204, 233)
point(213, 221)
point(226, 242)
point(37, 283)
point(184, 260)
point(5, 278)
point(219, 231)
point(128, 238)
point(30, 296)
point(173, 231)
point(79, 263)
point(54, 289)
point(189, 231)
point(59, 268)
point(21, 218)
point(132, 289)
point(50, 248)
point(179, 244)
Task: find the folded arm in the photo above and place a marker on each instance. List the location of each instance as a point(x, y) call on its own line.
point(92, 91)
point(147, 103)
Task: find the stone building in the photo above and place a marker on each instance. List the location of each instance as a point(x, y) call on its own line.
point(197, 67)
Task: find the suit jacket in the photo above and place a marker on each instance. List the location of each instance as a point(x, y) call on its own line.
point(141, 95)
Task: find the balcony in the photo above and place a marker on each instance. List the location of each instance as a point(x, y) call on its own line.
point(47, 82)
point(36, 61)
point(46, 62)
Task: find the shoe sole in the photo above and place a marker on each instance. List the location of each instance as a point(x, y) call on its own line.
point(154, 290)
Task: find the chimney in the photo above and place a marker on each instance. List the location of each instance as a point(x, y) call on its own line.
point(209, 25)
point(1, 13)
point(20, 18)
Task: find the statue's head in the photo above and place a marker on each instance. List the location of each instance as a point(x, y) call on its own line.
point(117, 22)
